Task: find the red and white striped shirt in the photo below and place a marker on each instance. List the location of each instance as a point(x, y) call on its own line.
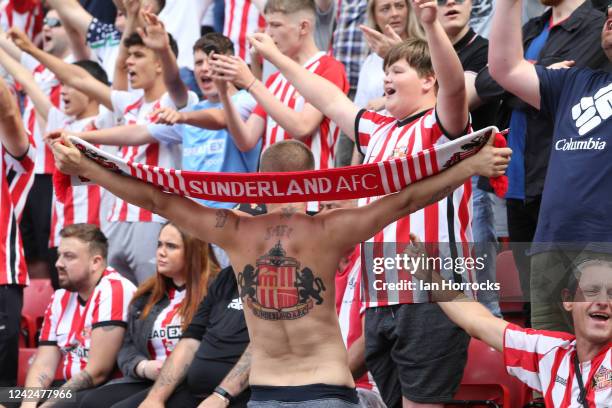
point(167, 327)
point(82, 203)
point(323, 142)
point(350, 309)
point(26, 15)
point(242, 18)
point(51, 87)
point(544, 360)
point(17, 180)
point(381, 137)
point(69, 320)
point(130, 108)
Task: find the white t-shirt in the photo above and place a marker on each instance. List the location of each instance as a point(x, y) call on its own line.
point(371, 80)
point(182, 19)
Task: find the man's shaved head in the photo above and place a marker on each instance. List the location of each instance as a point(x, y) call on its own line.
point(287, 155)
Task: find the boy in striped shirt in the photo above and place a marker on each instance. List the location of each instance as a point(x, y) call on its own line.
point(571, 371)
point(86, 319)
point(282, 113)
point(426, 105)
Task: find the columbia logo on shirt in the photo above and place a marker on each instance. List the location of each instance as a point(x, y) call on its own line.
point(590, 112)
point(235, 304)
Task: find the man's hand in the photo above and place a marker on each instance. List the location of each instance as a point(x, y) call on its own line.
point(264, 45)
point(232, 69)
point(426, 11)
point(68, 159)
point(21, 40)
point(416, 250)
point(154, 34)
point(562, 65)
point(379, 42)
point(150, 368)
point(168, 116)
point(212, 401)
point(491, 161)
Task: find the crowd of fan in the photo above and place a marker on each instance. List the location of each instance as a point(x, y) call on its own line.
point(176, 84)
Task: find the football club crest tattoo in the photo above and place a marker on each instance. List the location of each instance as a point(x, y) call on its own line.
point(277, 289)
point(602, 380)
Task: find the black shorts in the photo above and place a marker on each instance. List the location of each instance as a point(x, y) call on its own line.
point(35, 223)
point(312, 395)
point(414, 351)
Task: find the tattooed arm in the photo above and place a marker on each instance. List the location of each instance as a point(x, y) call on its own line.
point(366, 221)
point(172, 373)
point(236, 381)
point(42, 370)
point(218, 226)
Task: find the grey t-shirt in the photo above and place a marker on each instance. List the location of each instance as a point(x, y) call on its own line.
point(325, 27)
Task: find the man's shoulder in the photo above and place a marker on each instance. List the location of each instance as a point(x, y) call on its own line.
point(111, 279)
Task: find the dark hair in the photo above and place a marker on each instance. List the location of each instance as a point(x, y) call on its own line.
point(290, 6)
point(90, 234)
point(415, 52)
point(134, 39)
point(161, 4)
point(214, 42)
point(201, 267)
point(287, 155)
point(94, 69)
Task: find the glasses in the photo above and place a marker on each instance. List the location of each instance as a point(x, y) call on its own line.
point(443, 2)
point(52, 22)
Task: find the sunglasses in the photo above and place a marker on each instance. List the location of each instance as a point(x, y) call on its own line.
point(443, 2)
point(52, 22)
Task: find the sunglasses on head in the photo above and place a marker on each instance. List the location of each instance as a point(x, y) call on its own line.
point(52, 22)
point(443, 2)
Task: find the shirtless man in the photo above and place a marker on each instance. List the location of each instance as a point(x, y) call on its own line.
point(285, 263)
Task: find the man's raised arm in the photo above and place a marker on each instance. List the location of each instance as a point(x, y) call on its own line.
point(298, 124)
point(216, 226)
point(318, 91)
point(42, 104)
point(155, 37)
point(451, 100)
point(12, 133)
point(364, 222)
point(68, 74)
point(72, 14)
point(507, 64)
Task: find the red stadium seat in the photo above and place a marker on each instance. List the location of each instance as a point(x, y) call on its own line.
point(36, 298)
point(511, 294)
point(486, 383)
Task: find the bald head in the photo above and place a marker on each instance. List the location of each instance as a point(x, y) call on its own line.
point(287, 155)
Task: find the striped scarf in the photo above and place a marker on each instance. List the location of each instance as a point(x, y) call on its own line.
point(375, 179)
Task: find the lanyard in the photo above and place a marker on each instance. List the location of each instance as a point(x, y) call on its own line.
point(578, 373)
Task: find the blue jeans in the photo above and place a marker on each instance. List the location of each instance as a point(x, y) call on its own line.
point(485, 244)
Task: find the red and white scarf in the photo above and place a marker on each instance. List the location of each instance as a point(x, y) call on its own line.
point(342, 183)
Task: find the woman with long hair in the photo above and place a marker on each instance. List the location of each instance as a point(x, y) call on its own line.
point(161, 309)
point(389, 22)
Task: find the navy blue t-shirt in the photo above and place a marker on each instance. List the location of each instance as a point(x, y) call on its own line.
point(577, 198)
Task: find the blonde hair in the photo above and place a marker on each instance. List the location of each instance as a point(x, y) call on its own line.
point(413, 27)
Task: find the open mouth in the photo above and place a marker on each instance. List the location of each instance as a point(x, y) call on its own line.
point(389, 91)
point(206, 80)
point(600, 316)
point(451, 13)
point(131, 75)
